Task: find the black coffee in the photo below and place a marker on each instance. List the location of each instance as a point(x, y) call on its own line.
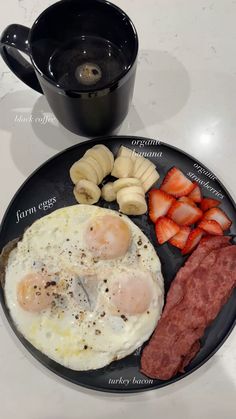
point(86, 63)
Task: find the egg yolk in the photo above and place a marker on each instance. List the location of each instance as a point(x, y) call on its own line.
point(35, 292)
point(108, 237)
point(131, 293)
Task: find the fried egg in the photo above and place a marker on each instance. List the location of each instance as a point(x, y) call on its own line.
point(84, 286)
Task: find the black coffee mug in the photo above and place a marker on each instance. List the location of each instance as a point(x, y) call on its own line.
point(84, 56)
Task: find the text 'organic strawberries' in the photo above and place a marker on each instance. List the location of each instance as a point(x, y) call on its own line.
point(182, 216)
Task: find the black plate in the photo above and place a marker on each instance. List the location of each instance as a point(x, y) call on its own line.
point(34, 200)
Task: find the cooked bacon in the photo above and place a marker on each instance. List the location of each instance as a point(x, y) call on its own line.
point(195, 298)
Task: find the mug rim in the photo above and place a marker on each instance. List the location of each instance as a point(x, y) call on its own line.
point(109, 85)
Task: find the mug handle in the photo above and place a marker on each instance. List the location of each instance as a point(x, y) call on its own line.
point(14, 38)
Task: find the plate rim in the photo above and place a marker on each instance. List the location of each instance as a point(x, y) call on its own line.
point(21, 338)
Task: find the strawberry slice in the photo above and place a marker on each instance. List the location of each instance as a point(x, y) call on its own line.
point(176, 183)
point(208, 203)
point(193, 240)
point(211, 227)
point(165, 229)
point(218, 215)
point(184, 214)
point(159, 203)
point(180, 239)
point(187, 200)
point(196, 194)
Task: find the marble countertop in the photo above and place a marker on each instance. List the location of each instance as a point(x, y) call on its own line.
point(185, 95)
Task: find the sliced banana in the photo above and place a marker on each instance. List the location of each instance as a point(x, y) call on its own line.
point(142, 169)
point(75, 174)
point(147, 173)
point(127, 152)
point(99, 157)
point(86, 192)
point(105, 158)
point(125, 182)
point(136, 175)
point(132, 204)
point(151, 180)
point(108, 192)
point(109, 154)
point(124, 151)
point(83, 170)
point(135, 156)
point(123, 167)
point(139, 160)
point(133, 190)
point(96, 166)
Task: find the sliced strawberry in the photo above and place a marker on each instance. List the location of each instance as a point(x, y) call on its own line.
point(218, 215)
point(176, 183)
point(165, 229)
point(208, 203)
point(159, 202)
point(187, 200)
point(193, 240)
point(180, 239)
point(196, 194)
point(211, 227)
point(184, 214)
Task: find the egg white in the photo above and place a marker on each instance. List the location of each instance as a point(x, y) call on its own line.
point(77, 338)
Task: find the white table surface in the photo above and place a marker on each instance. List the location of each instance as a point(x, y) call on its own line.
point(185, 95)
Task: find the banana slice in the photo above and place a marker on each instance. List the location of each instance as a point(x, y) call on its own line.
point(83, 170)
point(108, 192)
point(86, 192)
point(96, 166)
point(125, 182)
point(130, 190)
point(104, 158)
point(132, 204)
point(123, 167)
point(124, 152)
point(96, 155)
point(127, 152)
point(109, 154)
point(151, 180)
point(144, 166)
point(139, 160)
point(147, 173)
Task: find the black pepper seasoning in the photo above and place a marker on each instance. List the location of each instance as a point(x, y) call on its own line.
point(50, 283)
